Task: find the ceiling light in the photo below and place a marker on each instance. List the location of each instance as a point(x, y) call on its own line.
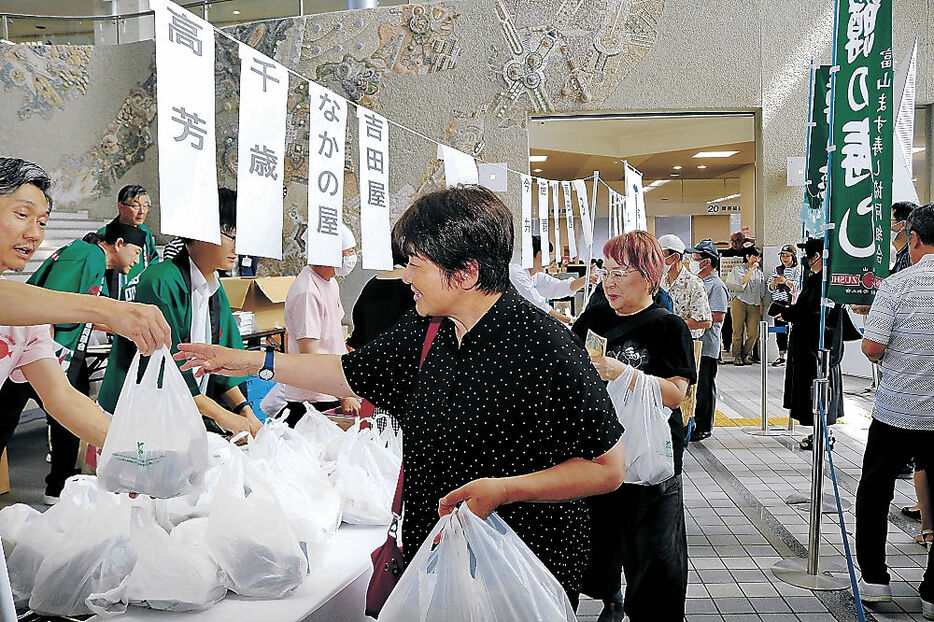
point(40, 27)
point(678, 167)
point(674, 175)
point(702, 166)
point(917, 149)
point(658, 182)
point(538, 158)
point(537, 170)
point(714, 154)
point(236, 12)
point(726, 198)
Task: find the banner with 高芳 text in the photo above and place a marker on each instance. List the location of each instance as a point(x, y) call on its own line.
point(185, 108)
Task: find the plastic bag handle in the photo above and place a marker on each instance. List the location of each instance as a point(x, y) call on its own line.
point(156, 361)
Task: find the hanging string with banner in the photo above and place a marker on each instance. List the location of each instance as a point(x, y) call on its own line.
point(527, 257)
point(543, 219)
point(375, 227)
point(569, 218)
point(185, 107)
point(325, 175)
point(264, 92)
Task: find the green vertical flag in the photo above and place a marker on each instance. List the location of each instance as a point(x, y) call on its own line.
point(816, 186)
point(861, 168)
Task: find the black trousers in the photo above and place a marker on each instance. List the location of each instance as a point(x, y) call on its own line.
point(888, 449)
point(782, 338)
point(13, 397)
point(640, 530)
point(706, 406)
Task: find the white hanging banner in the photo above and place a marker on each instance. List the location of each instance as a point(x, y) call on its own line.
point(580, 189)
point(264, 92)
point(556, 219)
point(373, 133)
point(328, 131)
point(905, 80)
point(613, 215)
point(543, 219)
point(185, 108)
point(459, 168)
point(635, 199)
point(618, 225)
point(527, 257)
point(569, 218)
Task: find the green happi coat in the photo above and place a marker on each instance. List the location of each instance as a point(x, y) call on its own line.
point(168, 286)
point(123, 286)
point(78, 268)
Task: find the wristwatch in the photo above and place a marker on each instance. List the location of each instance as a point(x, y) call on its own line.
point(266, 373)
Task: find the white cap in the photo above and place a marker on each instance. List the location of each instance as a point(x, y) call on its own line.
point(347, 238)
point(671, 242)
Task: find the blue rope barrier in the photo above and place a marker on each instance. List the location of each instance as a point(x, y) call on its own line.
point(778, 329)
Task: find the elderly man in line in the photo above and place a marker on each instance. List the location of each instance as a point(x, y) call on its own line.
point(689, 299)
point(899, 332)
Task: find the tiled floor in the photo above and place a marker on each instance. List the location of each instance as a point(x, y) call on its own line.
point(739, 524)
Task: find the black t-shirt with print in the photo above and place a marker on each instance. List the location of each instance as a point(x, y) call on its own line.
point(661, 347)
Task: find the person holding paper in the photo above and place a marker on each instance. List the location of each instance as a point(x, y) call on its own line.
point(189, 293)
point(639, 529)
point(506, 414)
point(27, 352)
point(133, 205)
point(313, 314)
point(538, 287)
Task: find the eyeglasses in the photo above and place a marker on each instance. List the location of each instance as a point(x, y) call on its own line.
point(232, 238)
point(137, 205)
point(605, 274)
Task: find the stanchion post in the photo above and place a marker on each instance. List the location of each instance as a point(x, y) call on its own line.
point(820, 394)
point(763, 348)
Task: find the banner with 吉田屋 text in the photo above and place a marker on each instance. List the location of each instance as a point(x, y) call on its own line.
point(375, 231)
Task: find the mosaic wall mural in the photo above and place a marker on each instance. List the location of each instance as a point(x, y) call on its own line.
point(46, 77)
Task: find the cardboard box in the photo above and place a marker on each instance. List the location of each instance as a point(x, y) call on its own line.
point(264, 296)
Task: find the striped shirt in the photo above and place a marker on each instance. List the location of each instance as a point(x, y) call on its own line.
point(780, 294)
point(902, 319)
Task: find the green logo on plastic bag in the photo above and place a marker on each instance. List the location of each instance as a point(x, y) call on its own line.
point(139, 447)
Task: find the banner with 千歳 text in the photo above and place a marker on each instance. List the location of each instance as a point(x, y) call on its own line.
point(328, 131)
point(185, 108)
point(264, 92)
point(861, 165)
point(373, 134)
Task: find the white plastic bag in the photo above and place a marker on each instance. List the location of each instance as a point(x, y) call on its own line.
point(157, 444)
point(169, 574)
point(366, 476)
point(252, 542)
point(647, 437)
point(93, 558)
point(321, 432)
point(14, 521)
point(480, 570)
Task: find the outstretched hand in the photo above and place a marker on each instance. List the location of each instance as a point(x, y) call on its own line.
point(211, 359)
point(481, 495)
point(142, 324)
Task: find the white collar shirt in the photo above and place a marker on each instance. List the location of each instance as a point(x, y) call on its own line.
point(201, 292)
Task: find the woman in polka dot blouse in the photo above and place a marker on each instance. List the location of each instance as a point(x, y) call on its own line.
point(506, 414)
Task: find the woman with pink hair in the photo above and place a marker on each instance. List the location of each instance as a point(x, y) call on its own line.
point(639, 529)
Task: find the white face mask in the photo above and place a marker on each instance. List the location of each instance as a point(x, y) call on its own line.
point(694, 267)
point(347, 265)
